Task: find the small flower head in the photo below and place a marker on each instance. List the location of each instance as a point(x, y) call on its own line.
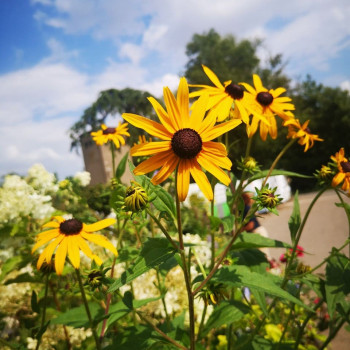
point(115, 134)
point(64, 184)
point(136, 198)
point(249, 164)
point(214, 293)
point(343, 175)
point(266, 198)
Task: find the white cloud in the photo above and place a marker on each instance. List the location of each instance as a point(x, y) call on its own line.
point(345, 85)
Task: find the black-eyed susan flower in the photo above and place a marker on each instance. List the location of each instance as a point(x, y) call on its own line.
point(222, 97)
point(70, 237)
point(302, 132)
point(186, 142)
point(106, 134)
point(343, 175)
point(269, 104)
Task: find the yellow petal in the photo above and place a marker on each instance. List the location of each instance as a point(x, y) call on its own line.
point(249, 88)
point(212, 76)
point(183, 179)
point(101, 241)
point(172, 108)
point(337, 179)
point(51, 248)
point(84, 247)
point(201, 179)
point(220, 129)
point(258, 84)
point(99, 225)
point(221, 161)
point(60, 257)
point(162, 115)
point(213, 169)
point(223, 109)
point(152, 163)
point(166, 170)
point(150, 148)
point(48, 237)
point(183, 100)
point(242, 111)
point(148, 125)
point(216, 148)
point(43, 234)
point(278, 91)
point(198, 112)
point(51, 224)
point(73, 251)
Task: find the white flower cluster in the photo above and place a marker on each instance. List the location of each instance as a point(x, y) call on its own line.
point(83, 177)
point(41, 180)
point(18, 199)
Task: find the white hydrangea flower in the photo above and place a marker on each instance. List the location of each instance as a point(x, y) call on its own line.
point(83, 177)
point(42, 180)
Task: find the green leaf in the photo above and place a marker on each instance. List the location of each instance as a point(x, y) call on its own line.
point(154, 252)
point(228, 223)
point(14, 263)
point(337, 283)
point(248, 240)
point(215, 223)
point(295, 219)
point(241, 276)
point(34, 302)
point(23, 278)
point(262, 175)
point(121, 167)
point(162, 199)
point(227, 312)
point(77, 318)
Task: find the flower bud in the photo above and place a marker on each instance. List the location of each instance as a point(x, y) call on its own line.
point(267, 198)
point(136, 198)
point(95, 278)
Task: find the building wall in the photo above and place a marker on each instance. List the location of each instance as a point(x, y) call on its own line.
point(98, 161)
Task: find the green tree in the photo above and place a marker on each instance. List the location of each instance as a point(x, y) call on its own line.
point(111, 102)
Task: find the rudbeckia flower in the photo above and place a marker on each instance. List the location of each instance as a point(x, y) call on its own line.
point(269, 104)
point(111, 134)
point(221, 98)
point(71, 236)
point(302, 132)
point(186, 142)
point(344, 170)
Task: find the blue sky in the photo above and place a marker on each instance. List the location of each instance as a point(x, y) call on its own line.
point(56, 55)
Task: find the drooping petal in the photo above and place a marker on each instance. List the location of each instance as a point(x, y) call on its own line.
point(150, 148)
point(99, 225)
point(201, 179)
point(166, 170)
point(101, 241)
point(60, 257)
point(213, 168)
point(148, 125)
point(51, 248)
point(152, 163)
point(183, 179)
point(45, 239)
point(219, 129)
point(84, 247)
point(73, 251)
point(162, 115)
point(212, 76)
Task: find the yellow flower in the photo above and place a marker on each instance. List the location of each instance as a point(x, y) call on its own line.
point(302, 132)
point(221, 98)
point(269, 104)
point(70, 236)
point(111, 134)
point(186, 142)
point(344, 170)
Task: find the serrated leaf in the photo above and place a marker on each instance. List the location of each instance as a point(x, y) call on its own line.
point(225, 313)
point(162, 199)
point(248, 241)
point(121, 167)
point(295, 219)
point(337, 282)
point(241, 276)
point(154, 252)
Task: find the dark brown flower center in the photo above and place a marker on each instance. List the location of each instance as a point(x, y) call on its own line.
point(307, 130)
point(109, 131)
point(71, 227)
point(235, 91)
point(264, 98)
point(186, 143)
point(345, 166)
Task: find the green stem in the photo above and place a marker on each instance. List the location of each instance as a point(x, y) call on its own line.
point(332, 334)
point(284, 150)
point(162, 228)
point(113, 158)
point(185, 270)
point(212, 235)
point(347, 214)
point(88, 313)
point(201, 324)
point(44, 311)
point(167, 318)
